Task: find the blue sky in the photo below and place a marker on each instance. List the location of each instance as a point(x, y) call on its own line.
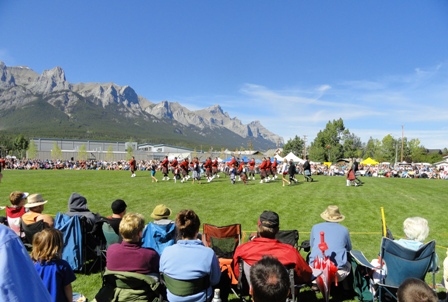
point(292, 65)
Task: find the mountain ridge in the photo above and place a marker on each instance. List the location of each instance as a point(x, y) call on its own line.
point(107, 110)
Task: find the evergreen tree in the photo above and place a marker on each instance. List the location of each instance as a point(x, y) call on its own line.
point(295, 145)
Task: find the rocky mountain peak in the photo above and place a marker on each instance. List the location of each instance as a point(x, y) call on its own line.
point(21, 86)
point(6, 78)
point(51, 80)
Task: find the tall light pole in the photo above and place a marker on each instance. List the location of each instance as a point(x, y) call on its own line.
point(304, 146)
point(402, 141)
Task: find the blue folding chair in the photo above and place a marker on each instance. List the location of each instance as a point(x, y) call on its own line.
point(403, 263)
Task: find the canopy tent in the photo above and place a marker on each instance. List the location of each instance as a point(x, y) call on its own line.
point(294, 158)
point(369, 161)
point(180, 156)
point(278, 157)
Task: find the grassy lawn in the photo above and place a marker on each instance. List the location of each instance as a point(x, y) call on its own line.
point(222, 203)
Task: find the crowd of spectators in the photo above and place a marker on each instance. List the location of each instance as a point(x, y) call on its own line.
point(180, 264)
point(338, 169)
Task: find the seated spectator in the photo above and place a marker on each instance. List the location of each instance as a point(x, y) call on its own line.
point(19, 280)
point(138, 260)
point(56, 273)
point(77, 205)
point(35, 204)
point(415, 290)
point(118, 211)
point(416, 230)
point(189, 264)
point(269, 281)
point(15, 212)
point(266, 244)
point(161, 214)
point(337, 239)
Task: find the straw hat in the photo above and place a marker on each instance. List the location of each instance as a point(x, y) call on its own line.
point(332, 214)
point(35, 200)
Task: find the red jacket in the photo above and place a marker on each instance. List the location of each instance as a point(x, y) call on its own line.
point(232, 162)
point(251, 164)
point(174, 163)
point(208, 164)
point(184, 165)
point(165, 163)
point(262, 166)
point(254, 250)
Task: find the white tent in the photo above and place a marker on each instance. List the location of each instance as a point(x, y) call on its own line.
point(180, 156)
point(294, 158)
point(278, 158)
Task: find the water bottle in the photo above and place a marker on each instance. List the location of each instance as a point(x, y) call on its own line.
point(217, 297)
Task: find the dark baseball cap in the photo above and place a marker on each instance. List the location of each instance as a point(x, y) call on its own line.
point(269, 219)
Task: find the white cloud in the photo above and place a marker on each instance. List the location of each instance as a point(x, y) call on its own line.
point(369, 108)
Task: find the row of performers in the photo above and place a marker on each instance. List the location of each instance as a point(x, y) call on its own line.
point(181, 169)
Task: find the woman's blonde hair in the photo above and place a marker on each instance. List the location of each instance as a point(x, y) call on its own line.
point(47, 245)
point(130, 227)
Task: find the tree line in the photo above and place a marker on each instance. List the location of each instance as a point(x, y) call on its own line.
point(336, 142)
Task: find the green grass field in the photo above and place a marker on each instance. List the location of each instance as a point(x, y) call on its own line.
point(222, 203)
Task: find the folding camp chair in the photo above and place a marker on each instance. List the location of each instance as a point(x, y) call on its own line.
point(74, 247)
point(403, 263)
point(223, 240)
point(109, 234)
point(29, 230)
point(159, 236)
point(290, 237)
point(126, 286)
point(244, 280)
point(81, 248)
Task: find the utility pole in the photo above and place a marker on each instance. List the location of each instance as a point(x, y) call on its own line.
point(304, 146)
point(402, 141)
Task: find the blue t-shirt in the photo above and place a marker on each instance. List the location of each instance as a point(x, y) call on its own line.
point(55, 275)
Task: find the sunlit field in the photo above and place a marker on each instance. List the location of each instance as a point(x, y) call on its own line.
point(221, 203)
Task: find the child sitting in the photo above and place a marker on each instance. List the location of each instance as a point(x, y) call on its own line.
point(56, 273)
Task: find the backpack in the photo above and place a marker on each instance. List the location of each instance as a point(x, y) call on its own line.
point(361, 281)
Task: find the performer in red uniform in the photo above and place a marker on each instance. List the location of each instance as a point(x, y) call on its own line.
point(215, 164)
point(274, 169)
point(242, 172)
point(251, 165)
point(175, 169)
point(184, 166)
point(268, 168)
point(262, 168)
point(208, 169)
point(132, 164)
point(232, 162)
point(164, 165)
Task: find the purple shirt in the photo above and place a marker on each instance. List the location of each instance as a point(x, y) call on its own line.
point(131, 257)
